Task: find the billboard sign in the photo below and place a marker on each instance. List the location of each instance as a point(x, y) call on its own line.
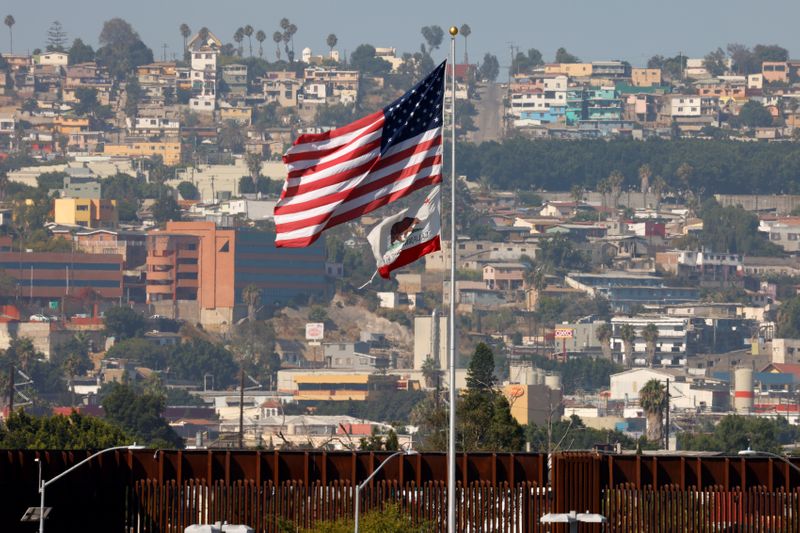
point(564, 333)
point(315, 331)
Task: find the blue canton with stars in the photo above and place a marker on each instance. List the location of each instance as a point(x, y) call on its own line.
point(417, 111)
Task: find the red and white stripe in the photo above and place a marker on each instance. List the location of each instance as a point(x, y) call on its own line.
point(340, 175)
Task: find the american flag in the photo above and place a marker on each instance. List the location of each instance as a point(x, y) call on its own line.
point(344, 173)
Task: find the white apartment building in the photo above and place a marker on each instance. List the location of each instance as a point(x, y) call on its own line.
point(785, 232)
point(552, 94)
point(154, 126)
point(692, 105)
point(204, 72)
point(674, 337)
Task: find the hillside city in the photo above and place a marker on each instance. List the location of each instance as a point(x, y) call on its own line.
point(627, 253)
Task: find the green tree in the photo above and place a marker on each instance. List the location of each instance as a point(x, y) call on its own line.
point(526, 62)
point(251, 296)
point(653, 400)
point(80, 52)
point(754, 115)
point(334, 115)
point(261, 37)
point(734, 433)
point(277, 37)
point(734, 230)
point(123, 323)
point(186, 32)
point(562, 56)
point(465, 31)
point(486, 424)
point(133, 96)
point(573, 435)
point(789, 319)
point(558, 253)
point(603, 334)
point(331, 41)
point(56, 37)
point(230, 137)
point(121, 50)
point(248, 32)
point(366, 62)
point(238, 36)
point(253, 166)
point(165, 209)
point(490, 68)
point(480, 374)
point(628, 335)
point(141, 351)
point(87, 101)
point(715, 62)
point(430, 372)
point(188, 190)
point(138, 413)
point(22, 431)
point(389, 519)
point(191, 360)
point(9, 21)
point(433, 36)
point(650, 336)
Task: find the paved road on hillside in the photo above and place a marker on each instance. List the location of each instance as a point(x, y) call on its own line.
point(490, 114)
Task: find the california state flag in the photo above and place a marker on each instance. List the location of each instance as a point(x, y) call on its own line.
point(410, 234)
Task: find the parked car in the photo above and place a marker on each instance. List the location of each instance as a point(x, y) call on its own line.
point(39, 318)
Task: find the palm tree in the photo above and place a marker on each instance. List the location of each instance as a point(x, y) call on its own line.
point(331, 41)
point(628, 335)
point(248, 32)
point(254, 167)
point(238, 36)
point(603, 187)
point(430, 372)
point(291, 30)
point(615, 181)
point(658, 187)
point(684, 173)
point(251, 296)
point(203, 34)
point(261, 37)
point(535, 280)
point(186, 31)
point(644, 178)
point(465, 32)
point(71, 365)
point(653, 400)
point(277, 37)
point(9, 21)
point(650, 335)
point(576, 192)
point(603, 334)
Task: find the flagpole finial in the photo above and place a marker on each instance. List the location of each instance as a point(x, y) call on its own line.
point(453, 31)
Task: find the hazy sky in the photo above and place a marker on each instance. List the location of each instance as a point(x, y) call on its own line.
point(615, 29)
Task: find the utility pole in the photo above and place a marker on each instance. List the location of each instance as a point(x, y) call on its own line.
point(10, 389)
point(666, 425)
point(241, 408)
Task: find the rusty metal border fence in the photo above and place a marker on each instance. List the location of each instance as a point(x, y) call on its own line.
point(673, 509)
point(159, 491)
point(269, 508)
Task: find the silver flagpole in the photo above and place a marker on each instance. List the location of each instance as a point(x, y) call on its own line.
point(451, 444)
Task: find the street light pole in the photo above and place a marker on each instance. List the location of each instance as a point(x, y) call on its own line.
point(44, 484)
point(369, 478)
point(756, 453)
